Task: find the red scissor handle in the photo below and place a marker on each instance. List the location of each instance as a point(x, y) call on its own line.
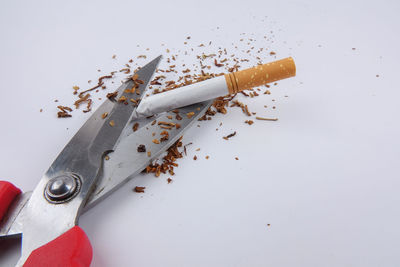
point(71, 249)
point(8, 192)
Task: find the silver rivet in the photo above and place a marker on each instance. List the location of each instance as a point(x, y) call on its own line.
point(62, 188)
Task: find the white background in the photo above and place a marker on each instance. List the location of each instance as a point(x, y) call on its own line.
point(325, 176)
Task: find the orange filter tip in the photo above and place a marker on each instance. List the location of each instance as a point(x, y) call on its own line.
point(260, 75)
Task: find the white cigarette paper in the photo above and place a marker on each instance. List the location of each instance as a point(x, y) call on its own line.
point(182, 96)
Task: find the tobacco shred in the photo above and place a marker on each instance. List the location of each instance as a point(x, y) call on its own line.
point(218, 64)
point(166, 123)
point(244, 107)
point(190, 114)
point(112, 96)
point(135, 127)
point(156, 141)
point(64, 112)
point(82, 98)
point(189, 76)
point(165, 136)
point(141, 148)
point(99, 83)
point(229, 135)
point(168, 161)
point(139, 189)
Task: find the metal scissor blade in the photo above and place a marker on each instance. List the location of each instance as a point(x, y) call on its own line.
point(99, 135)
point(126, 162)
point(80, 162)
point(123, 165)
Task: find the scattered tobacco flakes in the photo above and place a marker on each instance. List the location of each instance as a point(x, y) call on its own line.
point(64, 112)
point(76, 88)
point(266, 119)
point(88, 106)
point(229, 136)
point(168, 161)
point(169, 180)
point(166, 127)
point(122, 99)
point(186, 75)
point(244, 93)
point(125, 70)
point(139, 189)
point(112, 95)
point(236, 158)
point(135, 127)
point(112, 123)
point(244, 107)
point(218, 64)
point(156, 141)
point(104, 115)
point(141, 148)
point(195, 157)
point(190, 114)
point(82, 98)
point(207, 157)
point(100, 83)
point(134, 101)
point(164, 123)
point(165, 136)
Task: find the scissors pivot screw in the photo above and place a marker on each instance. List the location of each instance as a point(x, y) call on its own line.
point(62, 188)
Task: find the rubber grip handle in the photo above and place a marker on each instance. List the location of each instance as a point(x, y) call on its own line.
point(8, 192)
point(71, 249)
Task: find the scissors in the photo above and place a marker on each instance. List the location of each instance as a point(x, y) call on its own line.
point(101, 157)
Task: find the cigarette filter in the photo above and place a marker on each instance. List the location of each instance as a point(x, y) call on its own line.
point(230, 83)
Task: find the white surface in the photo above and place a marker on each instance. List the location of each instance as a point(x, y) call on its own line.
point(325, 176)
point(183, 96)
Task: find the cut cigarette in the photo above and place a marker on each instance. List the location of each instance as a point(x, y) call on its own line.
point(230, 83)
